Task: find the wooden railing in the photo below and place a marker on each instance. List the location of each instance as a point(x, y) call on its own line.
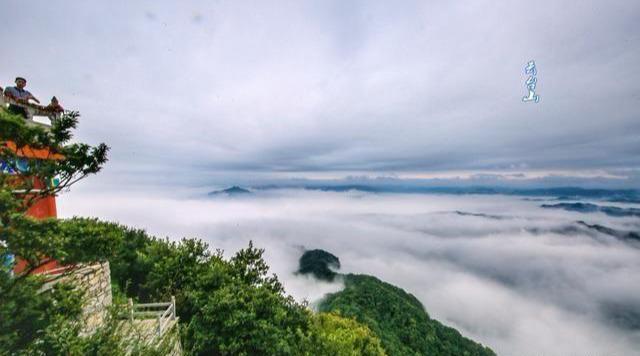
point(164, 313)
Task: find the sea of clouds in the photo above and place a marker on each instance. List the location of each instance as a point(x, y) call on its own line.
point(500, 269)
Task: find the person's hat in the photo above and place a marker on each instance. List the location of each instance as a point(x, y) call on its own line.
point(19, 78)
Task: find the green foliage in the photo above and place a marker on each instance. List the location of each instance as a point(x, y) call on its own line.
point(74, 161)
point(320, 264)
point(230, 306)
point(332, 334)
point(32, 240)
point(399, 319)
point(227, 306)
point(119, 337)
point(32, 322)
point(239, 319)
point(249, 313)
point(29, 319)
point(27, 315)
point(67, 241)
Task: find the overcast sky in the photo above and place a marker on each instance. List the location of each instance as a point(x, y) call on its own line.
point(214, 90)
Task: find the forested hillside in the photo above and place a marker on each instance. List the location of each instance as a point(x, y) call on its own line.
point(395, 316)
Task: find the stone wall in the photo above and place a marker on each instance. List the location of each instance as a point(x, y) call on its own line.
point(95, 281)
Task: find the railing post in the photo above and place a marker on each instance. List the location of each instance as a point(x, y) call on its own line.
point(173, 305)
point(159, 324)
point(131, 309)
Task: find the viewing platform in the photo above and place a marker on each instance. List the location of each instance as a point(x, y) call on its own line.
point(38, 115)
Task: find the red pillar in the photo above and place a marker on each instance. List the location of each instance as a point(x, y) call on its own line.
point(43, 209)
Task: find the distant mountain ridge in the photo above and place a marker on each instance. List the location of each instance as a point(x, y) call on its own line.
point(561, 193)
point(593, 208)
point(233, 191)
point(622, 235)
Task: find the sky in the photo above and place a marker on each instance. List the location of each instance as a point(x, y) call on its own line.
point(218, 92)
point(524, 280)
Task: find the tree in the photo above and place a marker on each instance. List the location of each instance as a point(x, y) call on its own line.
point(241, 310)
point(399, 319)
point(29, 319)
point(24, 181)
point(320, 264)
point(333, 334)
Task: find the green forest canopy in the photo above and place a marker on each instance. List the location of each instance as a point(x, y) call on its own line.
point(395, 316)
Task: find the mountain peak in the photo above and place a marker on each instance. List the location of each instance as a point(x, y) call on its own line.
point(235, 190)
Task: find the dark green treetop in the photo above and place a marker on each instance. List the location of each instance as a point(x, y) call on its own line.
point(319, 263)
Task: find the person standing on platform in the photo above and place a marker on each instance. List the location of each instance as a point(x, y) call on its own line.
point(19, 94)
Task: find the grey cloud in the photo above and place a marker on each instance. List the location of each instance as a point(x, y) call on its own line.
point(335, 86)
